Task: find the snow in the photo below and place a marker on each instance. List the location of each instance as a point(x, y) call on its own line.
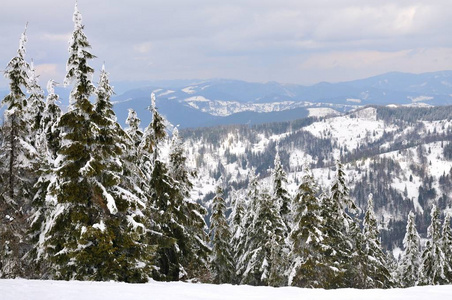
point(20, 289)
point(322, 112)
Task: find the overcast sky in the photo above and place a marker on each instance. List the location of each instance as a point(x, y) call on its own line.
point(289, 41)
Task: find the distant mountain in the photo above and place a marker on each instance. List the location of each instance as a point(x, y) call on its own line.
point(200, 103)
point(194, 103)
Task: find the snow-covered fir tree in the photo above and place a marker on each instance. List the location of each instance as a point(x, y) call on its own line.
point(265, 238)
point(339, 239)
point(195, 258)
point(133, 129)
point(408, 269)
point(92, 228)
point(446, 245)
point(376, 273)
point(236, 219)
point(306, 237)
point(434, 267)
point(280, 193)
point(17, 173)
point(35, 109)
point(221, 261)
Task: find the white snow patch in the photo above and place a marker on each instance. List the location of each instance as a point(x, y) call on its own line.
point(354, 100)
point(322, 112)
point(21, 289)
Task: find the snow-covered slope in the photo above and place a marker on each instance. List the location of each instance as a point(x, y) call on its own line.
point(19, 289)
point(401, 155)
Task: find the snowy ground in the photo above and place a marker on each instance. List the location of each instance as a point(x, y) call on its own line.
point(20, 289)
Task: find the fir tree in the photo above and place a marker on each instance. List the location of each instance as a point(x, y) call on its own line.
point(376, 273)
point(236, 219)
point(35, 109)
point(434, 266)
point(446, 243)
point(92, 228)
point(306, 237)
point(339, 237)
point(18, 169)
point(280, 194)
point(265, 240)
point(221, 261)
point(195, 258)
point(408, 270)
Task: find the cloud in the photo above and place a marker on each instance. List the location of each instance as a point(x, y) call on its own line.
point(255, 40)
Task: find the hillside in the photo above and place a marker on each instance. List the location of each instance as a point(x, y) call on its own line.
point(401, 155)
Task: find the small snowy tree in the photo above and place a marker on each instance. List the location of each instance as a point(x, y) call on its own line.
point(446, 243)
point(433, 267)
point(35, 109)
point(306, 237)
point(236, 219)
point(195, 257)
point(376, 273)
point(265, 240)
point(340, 234)
point(221, 261)
point(408, 270)
point(280, 194)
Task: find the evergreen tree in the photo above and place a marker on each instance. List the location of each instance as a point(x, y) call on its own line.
point(221, 261)
point(236, 219)
point(434, 266)
point(195, 258)
point(35, 109)
point(446, 243)
point(306, 237)
point(18, 158)
point(50, 132)
point(133, 129)
point(92, 227)
point(340, 235)
point(280, 194)
point(408, 270)
point(265, 241)
point(376, 273)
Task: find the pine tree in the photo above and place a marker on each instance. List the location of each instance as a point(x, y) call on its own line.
point(265, 241)
point(446, 243)
point(195, 258)
point(433, 267)
point(376, 273)
point(221, 261)
point(280, 194)
point(340, 235)
point(236, 220)
point(306, 237)
point(408, 270)
point(35, 109)
point(92, 227)
point(17, 174)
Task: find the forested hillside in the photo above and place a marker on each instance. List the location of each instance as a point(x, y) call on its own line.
point(402, 155)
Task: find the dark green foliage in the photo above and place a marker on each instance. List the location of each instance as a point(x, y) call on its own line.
point(306, 237)
point(221, 261)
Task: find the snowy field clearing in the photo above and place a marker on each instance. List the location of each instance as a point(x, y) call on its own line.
point(21, 289)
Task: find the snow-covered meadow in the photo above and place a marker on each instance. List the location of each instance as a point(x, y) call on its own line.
point(21, 289)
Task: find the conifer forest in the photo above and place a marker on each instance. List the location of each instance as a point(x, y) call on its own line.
point(82, 198)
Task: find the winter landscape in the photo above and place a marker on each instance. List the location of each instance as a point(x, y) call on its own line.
point(229, 188)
